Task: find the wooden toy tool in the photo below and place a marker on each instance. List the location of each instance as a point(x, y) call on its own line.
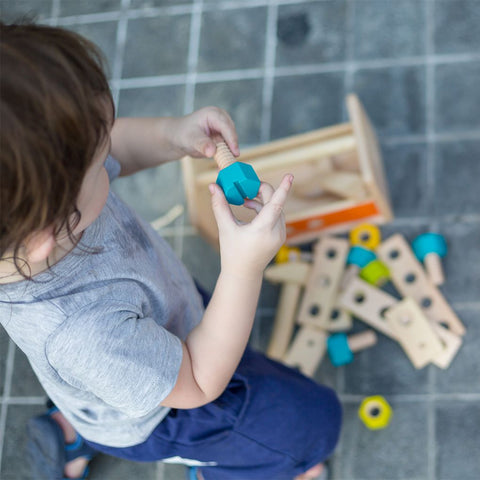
point(368, 304)
point(323, 282)
point(410, 280)
point(292, 276)
point(238, 180)
point(358, 257)
point(414, 332)
point(341, 348)
point(307, 350)
point(429, 248)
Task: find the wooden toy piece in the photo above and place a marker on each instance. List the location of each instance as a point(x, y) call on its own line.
point(366, 235)
point(323, 282)
point(340, 320)
point(238, 180)
point(368, 304)
point(429, 248)
point(451, 343)
point(411, 280)
point(375, 412)
point(341, 348)
point(414, 332)
point(349, 148)
point(375, 273)
point(343, 184)
point(292, 254)
point(293, 277)
point(358, 258)
point(307, 350)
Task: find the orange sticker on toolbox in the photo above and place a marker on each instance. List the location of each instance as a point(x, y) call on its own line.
point(319, 222)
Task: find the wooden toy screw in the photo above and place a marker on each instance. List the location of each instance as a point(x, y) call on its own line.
point(238, 180)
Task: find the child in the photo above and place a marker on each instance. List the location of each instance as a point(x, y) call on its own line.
point(109, 319)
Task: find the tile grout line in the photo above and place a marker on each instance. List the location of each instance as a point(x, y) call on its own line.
point(189, 99)
point(119, 52)
point(269, 71)
point(6, 394)
point(429, 10)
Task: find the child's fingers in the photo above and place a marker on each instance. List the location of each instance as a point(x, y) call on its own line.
point(220, 121)
point(274, 207)
point(221, 210)
point(265, 192)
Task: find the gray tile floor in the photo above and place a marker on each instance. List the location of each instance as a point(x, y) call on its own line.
point(283, 67)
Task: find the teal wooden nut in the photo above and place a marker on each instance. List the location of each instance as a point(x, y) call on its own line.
point(338, 350)
point(429, 243)
point(360, 256)
point(238, 181)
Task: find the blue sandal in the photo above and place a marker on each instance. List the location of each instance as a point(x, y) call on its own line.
point(47, 449)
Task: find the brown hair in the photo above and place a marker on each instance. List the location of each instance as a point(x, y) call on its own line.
point(53, 117)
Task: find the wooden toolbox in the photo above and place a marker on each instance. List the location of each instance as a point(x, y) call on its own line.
point(339, 180)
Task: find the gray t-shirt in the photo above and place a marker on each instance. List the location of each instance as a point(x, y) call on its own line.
point(102, 330)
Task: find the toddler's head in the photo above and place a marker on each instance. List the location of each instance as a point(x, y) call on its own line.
point(56, 112)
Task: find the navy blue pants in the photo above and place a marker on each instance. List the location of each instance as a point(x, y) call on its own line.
point(271, 422)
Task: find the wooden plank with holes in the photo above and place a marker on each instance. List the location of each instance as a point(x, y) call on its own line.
point(330, 254)
point(451, 343)
point(368, 303)
point(410, 279)
point(414, 332)
point(307, 350)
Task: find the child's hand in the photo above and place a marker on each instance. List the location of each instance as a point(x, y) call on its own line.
point(192, 134)
point(246, 249)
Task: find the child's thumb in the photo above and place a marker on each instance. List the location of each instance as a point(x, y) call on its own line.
point(221, 209)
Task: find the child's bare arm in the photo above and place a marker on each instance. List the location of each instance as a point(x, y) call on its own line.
point(139, 143)
point(214, 348)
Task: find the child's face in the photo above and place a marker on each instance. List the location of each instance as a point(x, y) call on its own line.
point(94, 189)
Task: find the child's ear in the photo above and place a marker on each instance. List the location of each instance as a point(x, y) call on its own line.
point(40, 245)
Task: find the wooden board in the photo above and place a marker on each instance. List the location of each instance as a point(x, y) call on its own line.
point(414, 332)
point(411, 280)
point(320, 295)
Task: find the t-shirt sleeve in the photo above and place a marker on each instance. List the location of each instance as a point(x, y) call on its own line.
point(113, 168)
point(113, 352)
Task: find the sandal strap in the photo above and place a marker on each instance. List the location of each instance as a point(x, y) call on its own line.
point(78, 449)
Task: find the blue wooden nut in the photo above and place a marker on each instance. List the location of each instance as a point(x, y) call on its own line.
point(338, 349)
point(238, 181)
point(427, 243)
point(360, 256)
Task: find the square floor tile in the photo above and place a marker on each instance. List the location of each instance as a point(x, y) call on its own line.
point(156, 46)
point(104, 35)
point(75, 7)
point(457, 440)
point(12, 11)
point(15, 465)
point(396, 452)
point(456, 97)
point(388, 29)
point(24, 381)
point(242, 99)
point(164, 101)
point(4, 341)
point(462, 374)
point(311, 32)
point(202, 261)
point(394, 98)
point(232, 39)
point(384, 369)
point(457, 170)
point(456, 26)
point(306, 102)
point(462, 275)
point(151, 193)
point(406, 171)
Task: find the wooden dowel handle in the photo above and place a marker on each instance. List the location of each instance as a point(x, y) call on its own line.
point(360, 341)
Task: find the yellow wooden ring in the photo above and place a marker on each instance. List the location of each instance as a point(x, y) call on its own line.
point(375, 412)
point(286, 254)
point(366, 235)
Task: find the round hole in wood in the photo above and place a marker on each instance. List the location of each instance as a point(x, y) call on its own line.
point(393, 254)
point(359, 297)
point(314, 310)
point(410, 277)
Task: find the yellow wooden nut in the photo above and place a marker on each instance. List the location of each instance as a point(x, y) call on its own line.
point(375, 412)
point(366, 235)
point(287, 254)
